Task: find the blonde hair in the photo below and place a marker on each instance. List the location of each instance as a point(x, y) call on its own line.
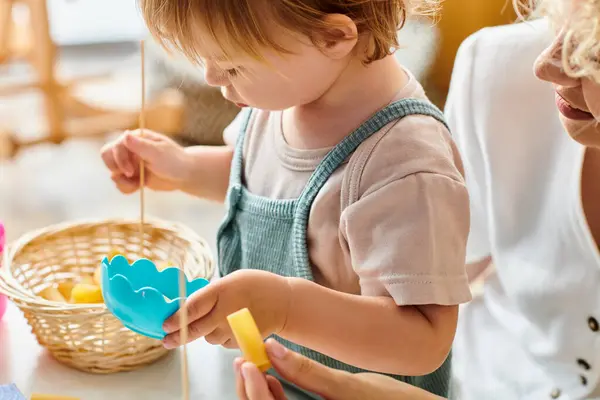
point(580, 29)
point(240, 25)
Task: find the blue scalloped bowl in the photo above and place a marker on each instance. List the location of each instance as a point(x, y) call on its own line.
point(141, 296)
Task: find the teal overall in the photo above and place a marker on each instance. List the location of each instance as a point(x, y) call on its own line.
point(270, 234)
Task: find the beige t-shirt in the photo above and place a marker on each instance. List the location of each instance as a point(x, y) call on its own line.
point(393, 220)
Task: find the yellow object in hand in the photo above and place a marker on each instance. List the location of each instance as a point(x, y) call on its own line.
point(84, 293)
point(249, 338)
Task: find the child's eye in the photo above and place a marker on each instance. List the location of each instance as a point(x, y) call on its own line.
point(231, 72)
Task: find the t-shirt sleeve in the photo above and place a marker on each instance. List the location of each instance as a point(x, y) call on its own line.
point(460, 112)
point(407, 239)
point(406, 231)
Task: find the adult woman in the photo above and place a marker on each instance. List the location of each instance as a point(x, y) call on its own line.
point(531, 149)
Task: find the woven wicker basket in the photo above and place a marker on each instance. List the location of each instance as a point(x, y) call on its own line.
point(87, 336)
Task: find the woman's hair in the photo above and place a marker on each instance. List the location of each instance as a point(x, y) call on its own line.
point(580, 32)
point(241, 25)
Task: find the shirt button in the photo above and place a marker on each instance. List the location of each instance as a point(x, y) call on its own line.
point(583, 380)
point(584, 364)
point(593, 324)
point(555, 393)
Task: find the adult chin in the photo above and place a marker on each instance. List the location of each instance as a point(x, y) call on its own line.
point(585, 132)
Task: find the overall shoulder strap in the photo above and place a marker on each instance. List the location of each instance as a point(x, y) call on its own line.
point(235, 176)
point(393, 112)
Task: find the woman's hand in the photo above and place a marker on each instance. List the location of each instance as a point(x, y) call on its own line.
point(252, 384)
point(331, 384)
point(266, 295)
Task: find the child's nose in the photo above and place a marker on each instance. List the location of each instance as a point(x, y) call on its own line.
point(214, 76)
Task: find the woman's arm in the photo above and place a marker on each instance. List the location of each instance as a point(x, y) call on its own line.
point(310, 375)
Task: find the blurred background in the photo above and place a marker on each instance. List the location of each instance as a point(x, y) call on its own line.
point(70, 79)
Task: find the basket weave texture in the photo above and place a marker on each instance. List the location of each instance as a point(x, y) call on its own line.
point(88, 337)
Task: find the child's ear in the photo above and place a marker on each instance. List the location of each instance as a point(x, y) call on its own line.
point(340, 38)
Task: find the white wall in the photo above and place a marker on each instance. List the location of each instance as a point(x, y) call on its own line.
point(94, 21)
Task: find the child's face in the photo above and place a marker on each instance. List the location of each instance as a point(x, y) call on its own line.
point(284, 81)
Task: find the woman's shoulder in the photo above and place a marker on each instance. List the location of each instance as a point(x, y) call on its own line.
point(505, 47)
point(494, 93)
point(499, 60)
point(504, 119)
point(528, 37)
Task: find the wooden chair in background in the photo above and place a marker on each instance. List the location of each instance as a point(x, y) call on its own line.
point(66, 114)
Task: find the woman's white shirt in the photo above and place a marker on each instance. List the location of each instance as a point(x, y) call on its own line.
point(533, 334)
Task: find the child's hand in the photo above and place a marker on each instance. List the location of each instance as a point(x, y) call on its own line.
point(167, 165)
point(267, 296)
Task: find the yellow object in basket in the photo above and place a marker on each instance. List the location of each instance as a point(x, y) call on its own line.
point(84, 293)
point(87, 279)
point(162, 265)
point(98, 276)
point(249, 338)
point(65, 289)
point(112, 254)
point(51, 293)
point(40, 396)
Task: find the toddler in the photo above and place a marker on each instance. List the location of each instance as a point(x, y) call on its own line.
point(347, 212)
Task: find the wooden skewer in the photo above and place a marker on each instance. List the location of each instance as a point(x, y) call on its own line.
point(183, 329)
point(142, 166)
point(183, 325)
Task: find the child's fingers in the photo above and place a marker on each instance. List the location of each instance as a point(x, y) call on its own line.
point(230, 344)
point(123, 159)
point(276, 388)
point(146, 148)
point(255, 383)
point(108, 158)
point(207, 328)
point(150, 135)
point(124, 184)
point(218, 336)
point(239, 380)
point(199, 305)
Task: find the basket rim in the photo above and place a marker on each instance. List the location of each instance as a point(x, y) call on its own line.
point(24, 298)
